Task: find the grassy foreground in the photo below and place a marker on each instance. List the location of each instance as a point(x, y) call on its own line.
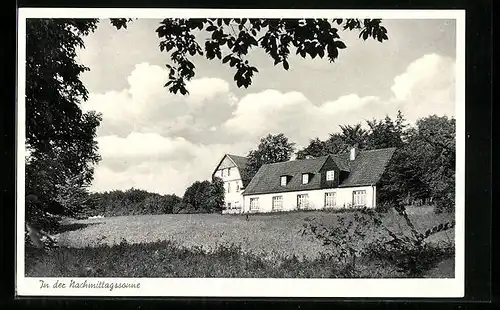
point(208, 245)
point(164, 259)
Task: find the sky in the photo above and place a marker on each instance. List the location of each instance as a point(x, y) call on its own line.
point(161, 142)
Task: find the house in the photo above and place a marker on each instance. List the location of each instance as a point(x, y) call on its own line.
point(332, 181)
point(231, 170)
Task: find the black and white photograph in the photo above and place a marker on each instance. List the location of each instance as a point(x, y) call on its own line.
point(231, 153)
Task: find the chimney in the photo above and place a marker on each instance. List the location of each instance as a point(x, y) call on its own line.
point(354, 153)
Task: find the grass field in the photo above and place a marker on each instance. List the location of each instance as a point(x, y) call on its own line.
point(187, 242)
point(265, 234)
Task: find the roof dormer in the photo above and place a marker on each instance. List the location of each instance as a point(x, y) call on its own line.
point(284, 179)
point(306, 177)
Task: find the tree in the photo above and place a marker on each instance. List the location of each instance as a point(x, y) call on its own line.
point(205, 196)
point(436, 141)
point(217, 195)
point(335, 144)
point(271, 149)
point(425, 166)
point(59, 136)
point(230, 40)
point(386, 133)
point(354, 135)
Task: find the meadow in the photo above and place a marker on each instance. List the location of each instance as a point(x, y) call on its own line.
point(190, 245)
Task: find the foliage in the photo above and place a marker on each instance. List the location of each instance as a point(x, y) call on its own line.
point(130, 202)
point(425, 165)
point(271, 149)
point(231, 39)
point(354, 135)
point(422, 167)
point(172, 257)
point(204, 196)
point(407, 250)
point(386, 133)
point(60, 138)
point(381, 134)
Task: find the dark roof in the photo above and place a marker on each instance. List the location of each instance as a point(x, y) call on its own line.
point(366, 169)
point(240, 161)
point(342, 161)
point(268, 178)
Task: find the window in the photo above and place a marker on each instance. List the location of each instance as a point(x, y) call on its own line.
point(330, 175)
point(283, 180)
point(330, 200)
point(359, 198)
point(229, 205)
point(228, 187)
point(277, 203)
point(254, 204)
point(305, 178)
point(303, 201)
point(237, 187)
point(228, 171)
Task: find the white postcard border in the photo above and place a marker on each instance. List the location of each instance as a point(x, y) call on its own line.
point(408, 288)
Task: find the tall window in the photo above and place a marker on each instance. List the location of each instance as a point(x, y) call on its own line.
point(359, 198)
point(237, 187)
point(283, 180)
point(254, 204)
point(303, 201)
point(330, 200)
point(277, 203)
point(305, 178)
point(228, 171)
point(228, 187)
point(330, 175)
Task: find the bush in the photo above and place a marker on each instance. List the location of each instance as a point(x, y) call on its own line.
point(405, 250)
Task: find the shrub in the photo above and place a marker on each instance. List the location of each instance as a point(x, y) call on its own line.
point(407, 250)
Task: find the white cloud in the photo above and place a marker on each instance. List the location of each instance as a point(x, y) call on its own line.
point(156, 163)
point(161, 142)
point(294, 115)
point(147, 106)
point(427, 86)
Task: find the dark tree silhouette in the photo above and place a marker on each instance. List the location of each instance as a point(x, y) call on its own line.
point(271, 149)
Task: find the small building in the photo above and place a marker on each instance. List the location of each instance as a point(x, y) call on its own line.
point(231, 170)
point(334, 181)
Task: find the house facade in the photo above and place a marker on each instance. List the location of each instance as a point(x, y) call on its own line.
point(335, 181)
point(230, 170)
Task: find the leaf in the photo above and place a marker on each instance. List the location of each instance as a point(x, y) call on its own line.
point(211, 28)
point(340, 44)
point(286, 65)
point(226, 58)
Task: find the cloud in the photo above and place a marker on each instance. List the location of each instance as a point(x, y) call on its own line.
point(156, 163)
point(161, 142)
point(146, 106)
point(427, 86)
point(296, 116)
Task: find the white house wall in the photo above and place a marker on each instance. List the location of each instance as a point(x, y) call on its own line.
point(234, 197)
point(343, 197)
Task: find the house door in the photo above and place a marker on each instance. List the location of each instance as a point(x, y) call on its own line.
point(302, 201)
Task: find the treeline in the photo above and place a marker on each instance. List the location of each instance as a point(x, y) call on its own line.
point(129, 202)
point(423, 166)
point(200, 197)
point(422, 169)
